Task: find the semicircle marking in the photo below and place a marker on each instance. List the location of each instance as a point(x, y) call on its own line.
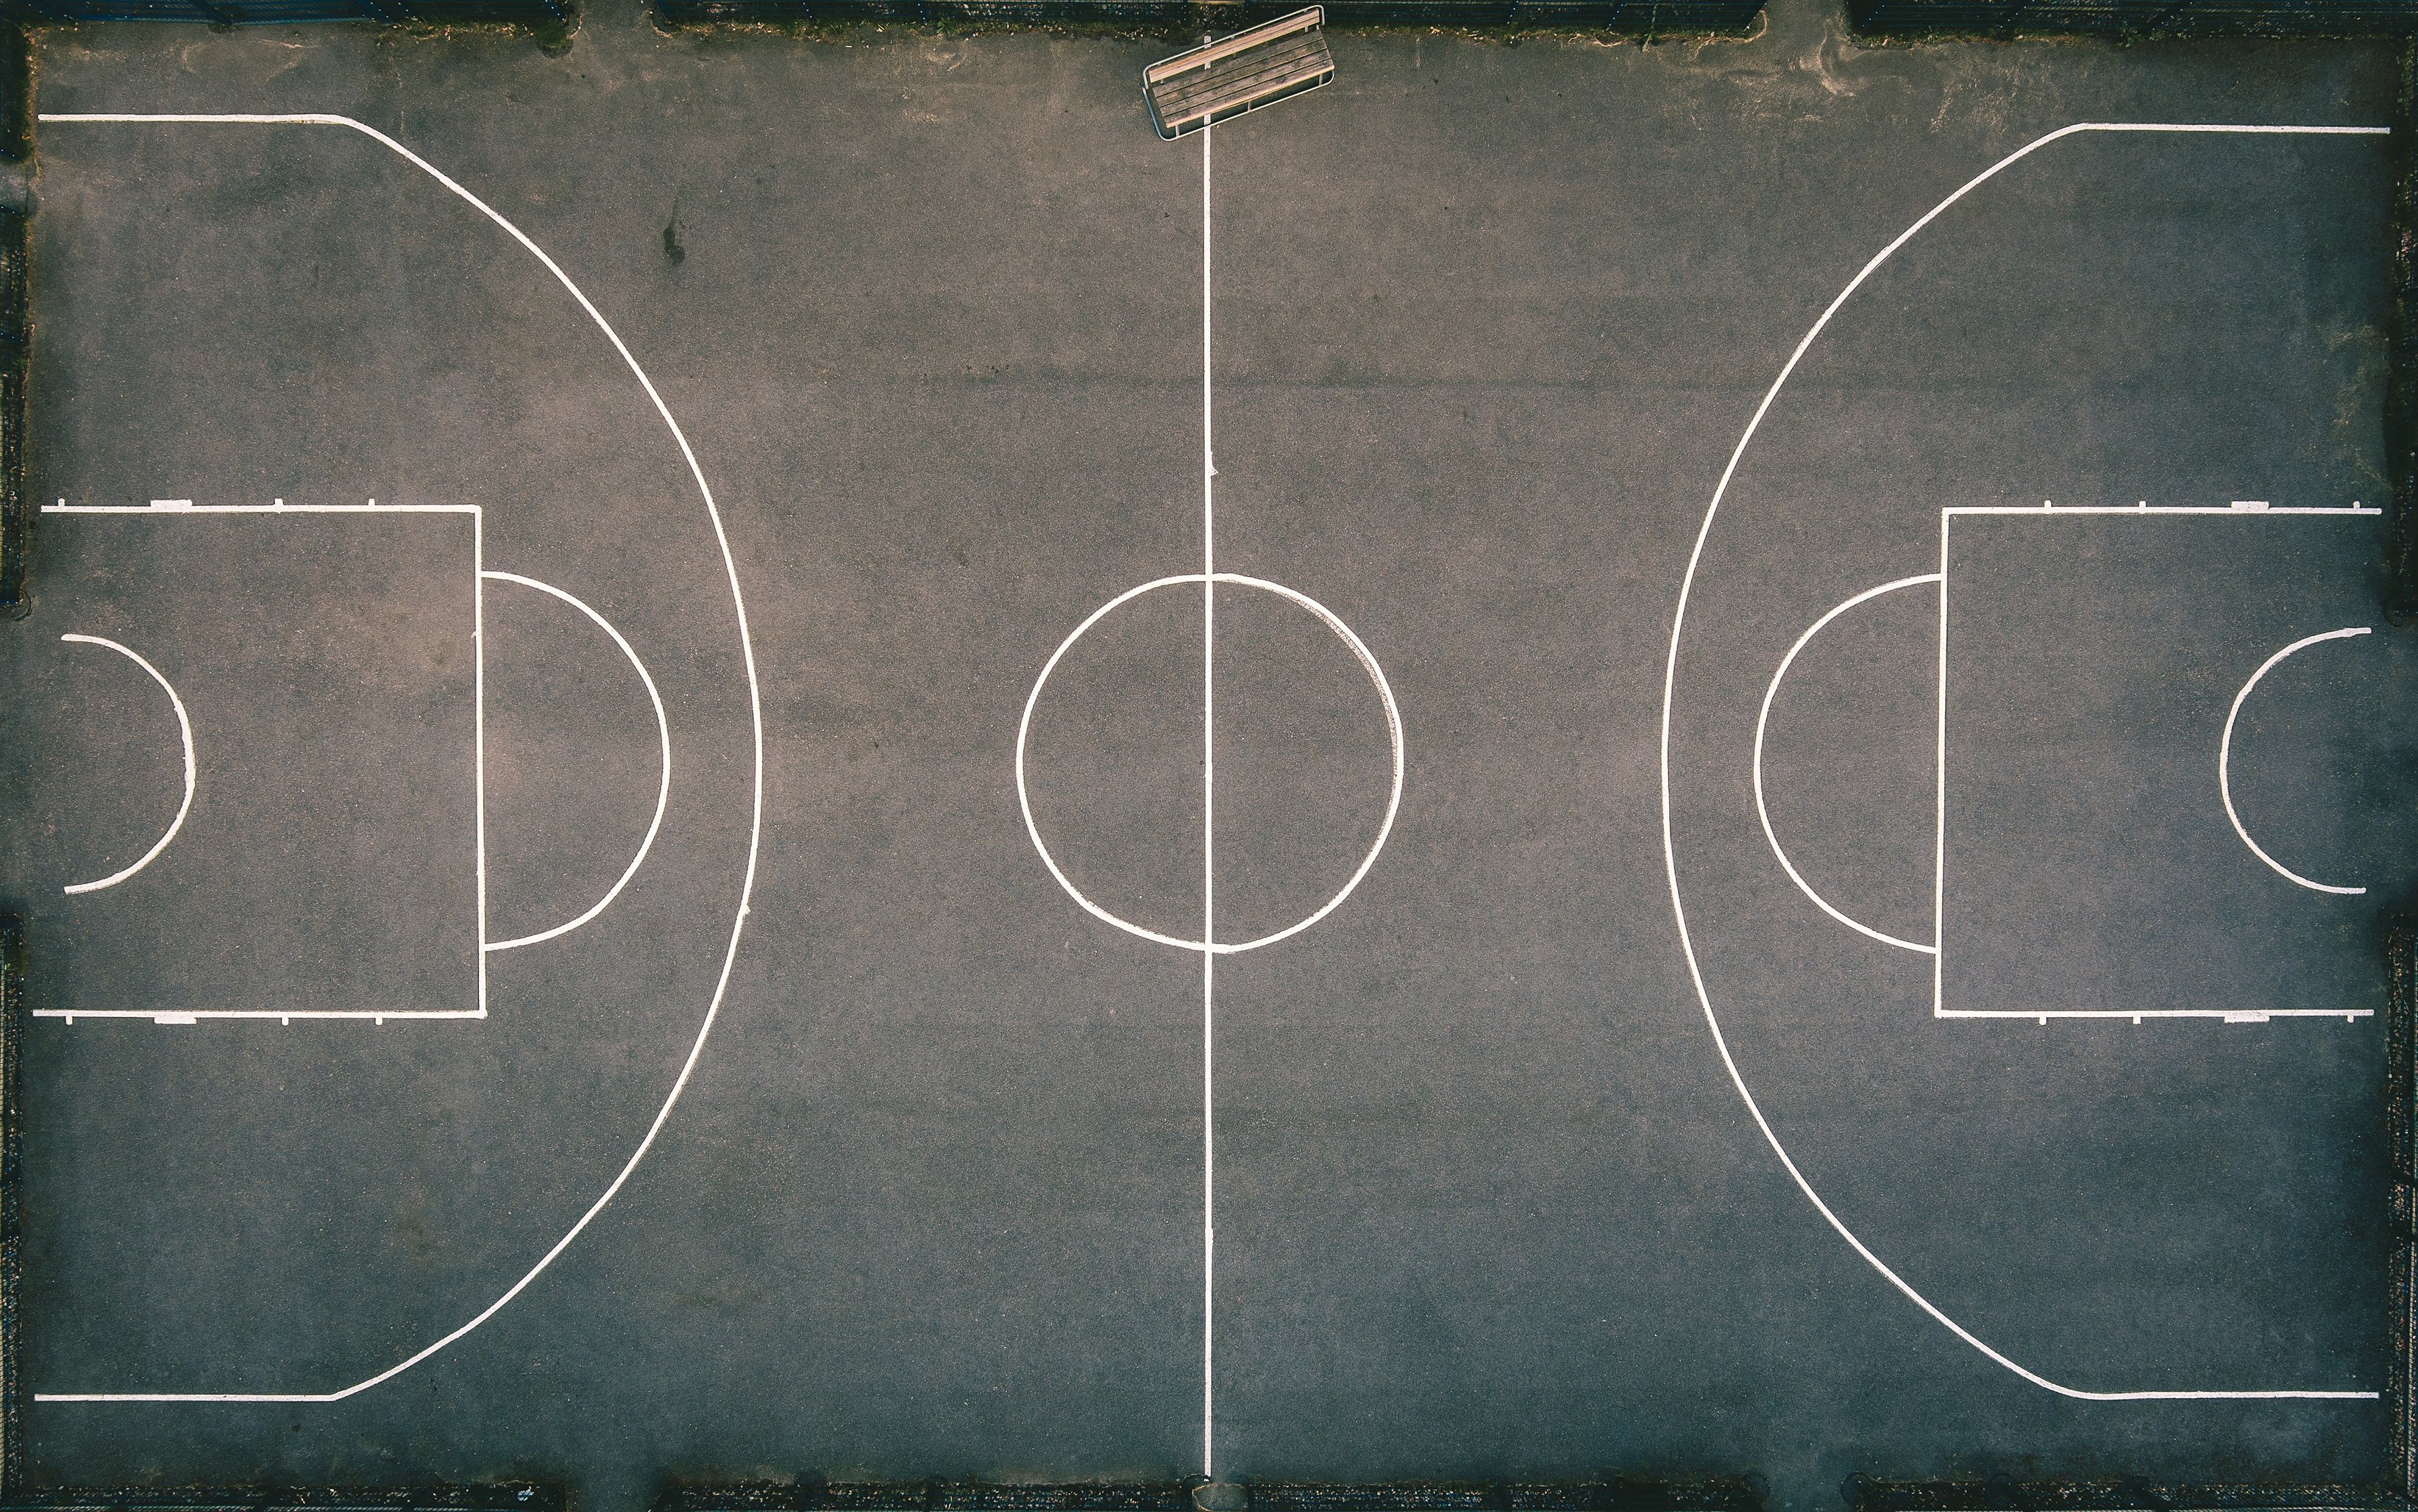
point(184, 733)
point(663, 789)
point(1764, 718)
point(2224, 762)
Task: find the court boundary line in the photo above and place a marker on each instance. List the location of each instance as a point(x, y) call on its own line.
point(185, 736)
point(1940, 1009)
point(1670, 682)
point(755, 820)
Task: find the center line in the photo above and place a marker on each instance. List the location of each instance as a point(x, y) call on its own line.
point(1208, 862)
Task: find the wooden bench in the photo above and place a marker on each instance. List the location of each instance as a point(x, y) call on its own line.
point(1251, 68)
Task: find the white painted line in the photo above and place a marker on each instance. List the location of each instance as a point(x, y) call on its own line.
point(2225, 763)
point(1940, 793)
point(756, 817)
point(281, 1015)
point(62, 507)
point(2137, 510)
point(1393, 727)
point(1208, 854)
point(1670, 682)
point(2229, 1015)
point(1764, 719)
point(479, 730)
point(663, 789)
point(172, 503)
point(183, 734)
point(2250, 504)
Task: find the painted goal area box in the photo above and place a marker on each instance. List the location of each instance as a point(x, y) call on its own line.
point(2168, 740)
point(247, 745)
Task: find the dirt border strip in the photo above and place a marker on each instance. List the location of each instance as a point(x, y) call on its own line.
point(12, 1020)
point(1644, 18)
point(2001, 1494)
point(808, 1494)
point(2128, 20)
point(16, 148)
point(2401, 355)
point(510, 1496)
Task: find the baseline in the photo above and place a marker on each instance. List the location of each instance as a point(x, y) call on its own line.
point(1670, 682)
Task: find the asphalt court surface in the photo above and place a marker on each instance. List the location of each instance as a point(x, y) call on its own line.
point(1490, 321)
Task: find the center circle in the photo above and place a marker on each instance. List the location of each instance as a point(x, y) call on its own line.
point(1368, 664)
